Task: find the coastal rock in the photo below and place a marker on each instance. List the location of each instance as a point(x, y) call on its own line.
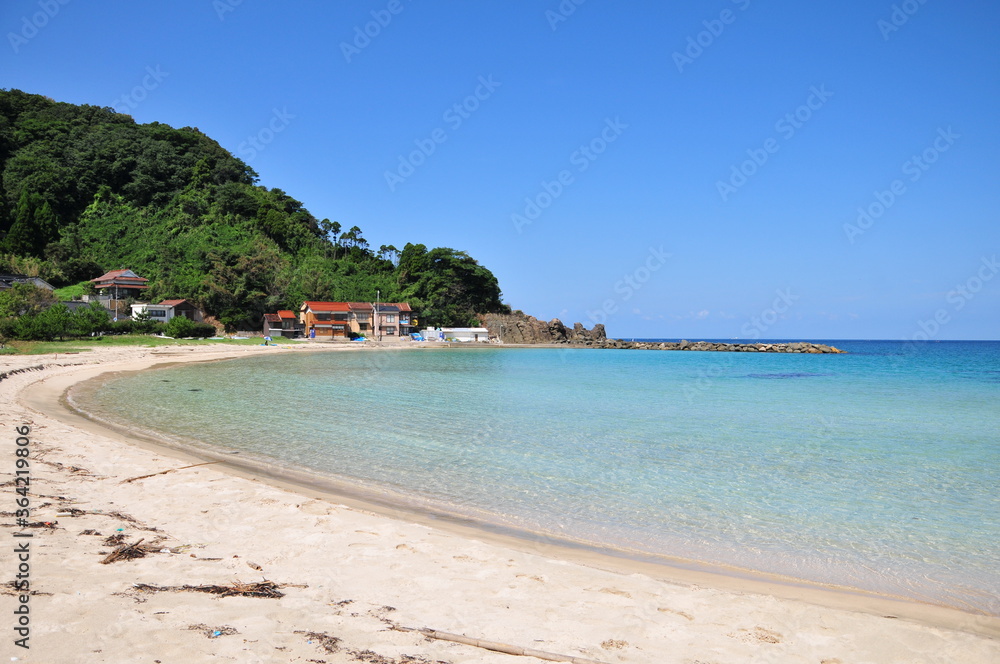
point(519, 328)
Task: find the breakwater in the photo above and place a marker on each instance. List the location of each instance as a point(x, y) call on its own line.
point(791, 347)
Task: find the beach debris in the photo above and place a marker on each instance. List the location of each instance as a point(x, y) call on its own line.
point(115, 540)
point(14, 372)
point(329, 644)
point(12, 588)
point(496, 646)
point(164, 472)
point(614, 644)
point(131, 551)
point(253, 565)
point(213, 632)
point(265, 588)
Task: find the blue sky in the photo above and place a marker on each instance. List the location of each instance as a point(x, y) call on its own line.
point(670, 169)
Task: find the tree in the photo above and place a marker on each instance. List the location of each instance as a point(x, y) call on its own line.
point(56, 321)
point(450, 287)
point(35, 225)
point(91, 319)
point(23, 299)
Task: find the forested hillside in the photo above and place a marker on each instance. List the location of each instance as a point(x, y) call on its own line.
point(86, 190)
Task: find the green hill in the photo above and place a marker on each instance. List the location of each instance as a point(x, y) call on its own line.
point(86, 190)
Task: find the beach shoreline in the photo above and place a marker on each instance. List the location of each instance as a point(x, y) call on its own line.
point(638, 605)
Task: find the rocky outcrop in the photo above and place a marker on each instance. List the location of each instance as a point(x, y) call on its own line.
point(519, 328)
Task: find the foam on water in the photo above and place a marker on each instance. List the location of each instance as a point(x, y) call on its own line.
point(878, 469)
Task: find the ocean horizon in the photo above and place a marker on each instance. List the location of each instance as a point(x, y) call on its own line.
point(876, 469)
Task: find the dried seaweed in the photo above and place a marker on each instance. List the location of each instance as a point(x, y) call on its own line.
point(329, 644)
point(213, 632)
point(268, 589)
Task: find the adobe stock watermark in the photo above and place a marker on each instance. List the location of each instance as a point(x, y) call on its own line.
point(256, 143)
point(363, 35)
point(630, 284)
point(455, 115)
point(758, 325)
point(223, 7)
point(899, 17)
point(753, 329)
point(30, 26)
point(958, 297)
point(786, 126)
point(581, 159)
point(129, 101)
point(704, 39)
point(914, 168)
point(565, 9)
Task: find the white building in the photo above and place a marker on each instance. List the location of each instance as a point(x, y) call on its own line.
point(474, 334)
point(167, 309)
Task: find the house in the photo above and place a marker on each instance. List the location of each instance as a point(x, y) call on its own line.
point(283, 324)
point(120, 284)
point(474, 334)
point(361, 318)
point(327, 320)
point(386, 320)
point(8, 280)
point(407, 321)
point(168, 309)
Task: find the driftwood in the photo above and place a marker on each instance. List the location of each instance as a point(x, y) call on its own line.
point(130, 551)
point(164, 472)
point(496, 646)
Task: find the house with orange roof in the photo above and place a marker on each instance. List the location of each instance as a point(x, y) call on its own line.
point(283, 324)
point(120, 284)
point(325, 320)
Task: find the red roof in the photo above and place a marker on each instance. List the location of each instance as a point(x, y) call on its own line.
point(272, 318)
point(360, 306)
point(285, 313)
point(114, 274)
point(403, 306)
point(126, 278)
point(172, 303)
point(325, 306)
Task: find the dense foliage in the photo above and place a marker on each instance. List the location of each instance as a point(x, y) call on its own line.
point(31, 313)
point(84, 190)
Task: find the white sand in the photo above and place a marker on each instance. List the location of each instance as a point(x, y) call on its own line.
point(352, 571)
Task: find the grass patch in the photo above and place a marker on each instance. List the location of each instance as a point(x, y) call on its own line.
point(67, 293)
point(90, 343)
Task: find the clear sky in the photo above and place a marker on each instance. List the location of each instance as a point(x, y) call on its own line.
point(718, 169)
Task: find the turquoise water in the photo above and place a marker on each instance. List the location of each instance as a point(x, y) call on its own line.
point(878, 469)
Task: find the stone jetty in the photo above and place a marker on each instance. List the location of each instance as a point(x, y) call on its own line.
point(790, 347)
point(519, 328)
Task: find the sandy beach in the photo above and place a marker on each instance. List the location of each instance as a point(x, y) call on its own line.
point(356, 578)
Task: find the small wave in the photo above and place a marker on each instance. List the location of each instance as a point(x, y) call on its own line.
point(778, 376)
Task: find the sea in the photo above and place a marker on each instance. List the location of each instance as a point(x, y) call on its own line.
point(878, 469)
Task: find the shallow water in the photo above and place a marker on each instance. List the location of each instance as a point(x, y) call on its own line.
point(878, 469)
